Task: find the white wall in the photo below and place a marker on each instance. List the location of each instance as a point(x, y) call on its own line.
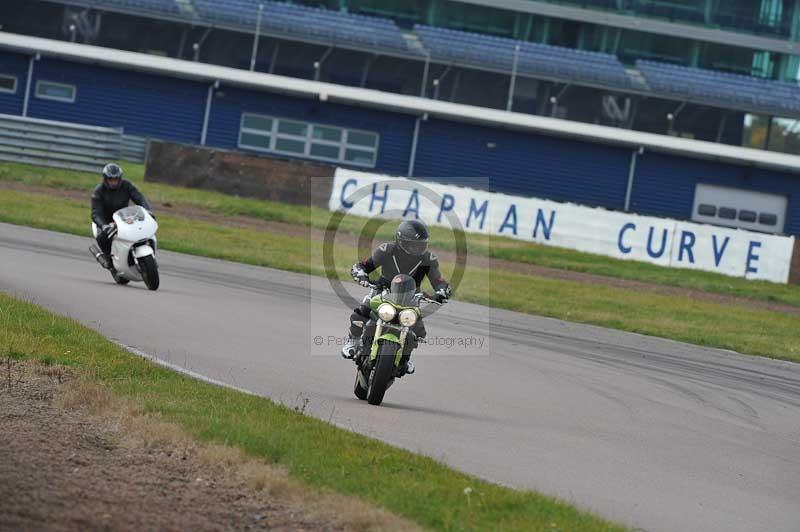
point(620, 235)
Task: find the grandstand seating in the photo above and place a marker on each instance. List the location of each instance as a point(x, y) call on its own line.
point(317, 23)
point(497, 53)
point(168, 7)
point(303, 22)
point(479, 51)
point(724, 88)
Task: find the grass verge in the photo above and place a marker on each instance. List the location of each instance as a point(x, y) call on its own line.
point(495, 247)
point(311, 451)
point(750, 331)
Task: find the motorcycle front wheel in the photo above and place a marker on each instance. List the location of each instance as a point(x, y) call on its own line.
point(359, 390)
point(382, 372)
point(149, 269)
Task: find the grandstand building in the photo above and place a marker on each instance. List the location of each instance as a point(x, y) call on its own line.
point(718, 70)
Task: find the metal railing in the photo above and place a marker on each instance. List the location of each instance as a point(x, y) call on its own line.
point(58, 144)
point(134, 149)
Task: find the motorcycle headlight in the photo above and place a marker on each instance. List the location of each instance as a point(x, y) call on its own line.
point(387, 312)
point(408, 318)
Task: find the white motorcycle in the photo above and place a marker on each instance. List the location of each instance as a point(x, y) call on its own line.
point(133, 247)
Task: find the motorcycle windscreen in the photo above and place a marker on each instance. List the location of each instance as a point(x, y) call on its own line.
point(403, 297)
point(131, 214)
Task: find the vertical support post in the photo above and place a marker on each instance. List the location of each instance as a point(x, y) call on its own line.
point(256, 38)
point(708, 10)
point(414, 142)
point(437, 83)
point(318, 64)
point(631, 176)
point(768, 136)
point(604, 39)
point(98, 22)
point(721, 129)
point(207, 115)
point(274, 58)
point(617, 39)
point(633, 113)
point(423, 89)
point(27, 99)
point(542, 97)
point(182, 43)
point(199, 44)
point(694, 54)
point(431, 13)
point(794, 32)
point(528, 28)
point(511, 86)
point(455, 86)
point(794, 265)
point(367, 66)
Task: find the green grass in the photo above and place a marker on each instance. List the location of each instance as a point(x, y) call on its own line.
point(496, 247)
point(314, 452)
point(746, 330)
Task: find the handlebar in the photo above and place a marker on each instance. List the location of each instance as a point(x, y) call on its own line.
point(419, 296)
point(422, 296)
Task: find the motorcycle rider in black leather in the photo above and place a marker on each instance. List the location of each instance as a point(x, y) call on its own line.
point(409, 255)
point(113, 194)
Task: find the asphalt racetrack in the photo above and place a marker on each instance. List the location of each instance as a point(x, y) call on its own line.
point(654, 434)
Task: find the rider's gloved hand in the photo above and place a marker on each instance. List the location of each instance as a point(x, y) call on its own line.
point(109, 229)
point(359, 275)
point(442, 294)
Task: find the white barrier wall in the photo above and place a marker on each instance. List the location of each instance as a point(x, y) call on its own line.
point(620, 235)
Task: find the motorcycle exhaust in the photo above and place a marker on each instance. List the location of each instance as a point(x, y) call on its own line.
point(99, 256)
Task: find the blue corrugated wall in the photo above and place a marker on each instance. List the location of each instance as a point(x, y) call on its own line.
point(665, 185)
point(14, 65)
point(143, 104)
point(524, 164)
point(513, 162)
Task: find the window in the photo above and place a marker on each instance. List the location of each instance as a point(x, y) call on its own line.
point(707, 210)
point(748, 216)
point(736, 207)
point(60, 92)
point(8, 83)
point(304, 139)
point(256, 132)
point(766, 218)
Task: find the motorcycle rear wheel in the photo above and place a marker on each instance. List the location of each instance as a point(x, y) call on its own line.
point(119, 279)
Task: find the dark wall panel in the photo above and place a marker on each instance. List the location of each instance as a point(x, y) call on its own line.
point(143, 104)
point(665, 185)
point(525, 164)
point(16, 65)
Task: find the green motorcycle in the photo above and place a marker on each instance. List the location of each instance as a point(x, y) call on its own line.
point(388, 337)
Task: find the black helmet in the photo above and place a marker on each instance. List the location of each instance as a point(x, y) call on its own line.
point(402, 290)
point(412, 237)
point(112, 176)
